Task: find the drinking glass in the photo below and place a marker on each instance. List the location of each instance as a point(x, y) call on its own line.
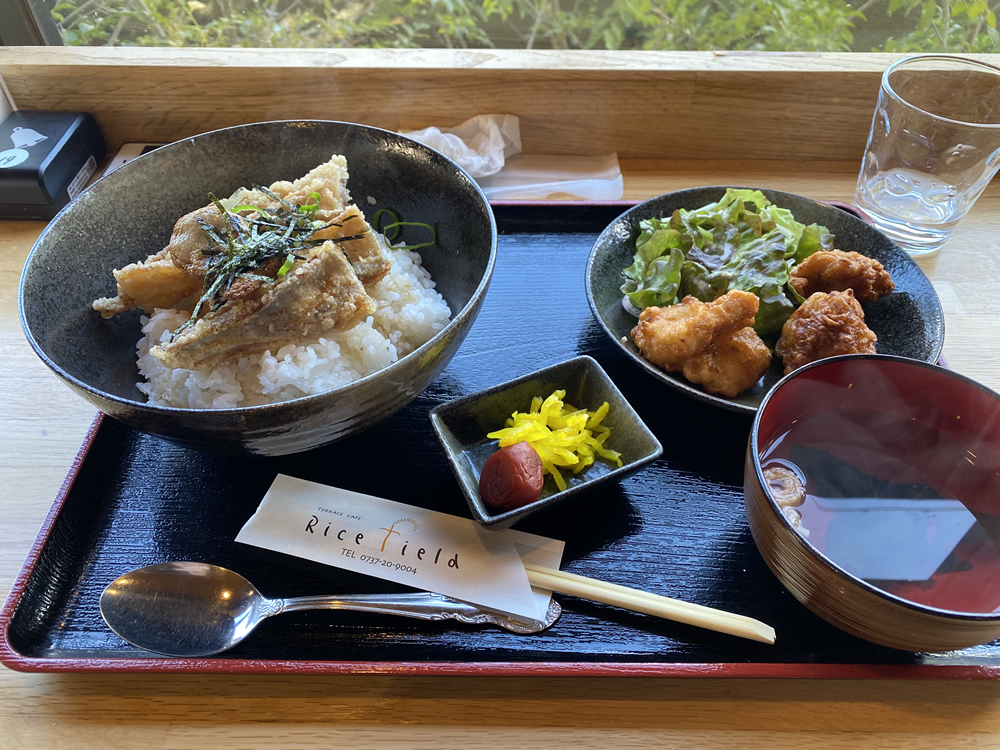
point(933, 148)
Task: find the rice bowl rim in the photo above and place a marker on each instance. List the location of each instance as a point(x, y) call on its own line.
point(456, 318)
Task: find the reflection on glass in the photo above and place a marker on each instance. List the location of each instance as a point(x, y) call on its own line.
point(895, 503)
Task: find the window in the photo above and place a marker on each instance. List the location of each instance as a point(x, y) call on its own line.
point(764, 25)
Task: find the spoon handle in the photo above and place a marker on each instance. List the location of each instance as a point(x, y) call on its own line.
point(422, 606)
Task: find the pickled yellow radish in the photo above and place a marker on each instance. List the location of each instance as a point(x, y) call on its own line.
point(563, 436)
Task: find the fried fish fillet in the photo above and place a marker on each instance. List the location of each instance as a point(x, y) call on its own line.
point(189, 245)
point(667, 336)
point(321, 294)
point(837, 271)
point(329, 180)
point(731, 364)
point(175, 273)
point(826, 325)
point(149, 284)
point(366, 254)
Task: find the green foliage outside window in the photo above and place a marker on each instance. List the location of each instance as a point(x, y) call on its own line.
point(803, 25)
point(947, 27)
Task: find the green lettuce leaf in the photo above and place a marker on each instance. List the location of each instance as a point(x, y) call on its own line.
point(814, 238)
point(655, 275)
point(760, 267)
point(700, 283)
point(716, 252)
point(742, 241)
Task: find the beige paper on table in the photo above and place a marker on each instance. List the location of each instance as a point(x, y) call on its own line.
point(422, 548)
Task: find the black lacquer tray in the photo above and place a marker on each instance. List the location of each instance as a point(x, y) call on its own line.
point(677, 528)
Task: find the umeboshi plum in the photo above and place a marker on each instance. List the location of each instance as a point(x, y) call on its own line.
point(511, 477)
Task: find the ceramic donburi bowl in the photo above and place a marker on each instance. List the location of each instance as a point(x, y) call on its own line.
point(129, 214)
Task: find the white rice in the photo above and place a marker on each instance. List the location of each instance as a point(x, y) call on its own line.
point(409, 312)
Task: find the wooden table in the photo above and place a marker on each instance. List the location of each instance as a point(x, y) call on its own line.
point(43, 424)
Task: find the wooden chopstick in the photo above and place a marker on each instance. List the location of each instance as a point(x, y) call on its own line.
point(650, 604)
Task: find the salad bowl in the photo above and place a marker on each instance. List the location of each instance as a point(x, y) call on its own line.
point(909, 322)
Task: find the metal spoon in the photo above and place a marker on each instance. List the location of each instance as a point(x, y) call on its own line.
point(195, 609)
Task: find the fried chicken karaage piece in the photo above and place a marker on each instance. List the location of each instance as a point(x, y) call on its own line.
point(712, 344)
point(837, 271)
point(667, 336)
point(826, 325)
point(731, 364)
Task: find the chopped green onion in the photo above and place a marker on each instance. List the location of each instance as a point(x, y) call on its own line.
point(394, 225)
point(310, 209)
point(397, 224)
point(258, 209)
point(286, 266)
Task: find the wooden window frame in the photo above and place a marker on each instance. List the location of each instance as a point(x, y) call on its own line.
point(657, 105)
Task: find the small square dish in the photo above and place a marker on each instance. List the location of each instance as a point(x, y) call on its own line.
point(462, 426)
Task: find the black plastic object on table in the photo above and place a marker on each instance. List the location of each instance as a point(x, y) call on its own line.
point(46, 159)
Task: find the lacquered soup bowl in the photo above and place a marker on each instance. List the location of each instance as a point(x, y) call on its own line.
point(953, 607)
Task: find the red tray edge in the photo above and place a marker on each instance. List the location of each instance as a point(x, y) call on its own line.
point(165, 665)
point(8, 655)
point(16, 661)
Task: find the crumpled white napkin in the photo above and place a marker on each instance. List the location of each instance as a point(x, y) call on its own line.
point(480, 145)
point(488, 147)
